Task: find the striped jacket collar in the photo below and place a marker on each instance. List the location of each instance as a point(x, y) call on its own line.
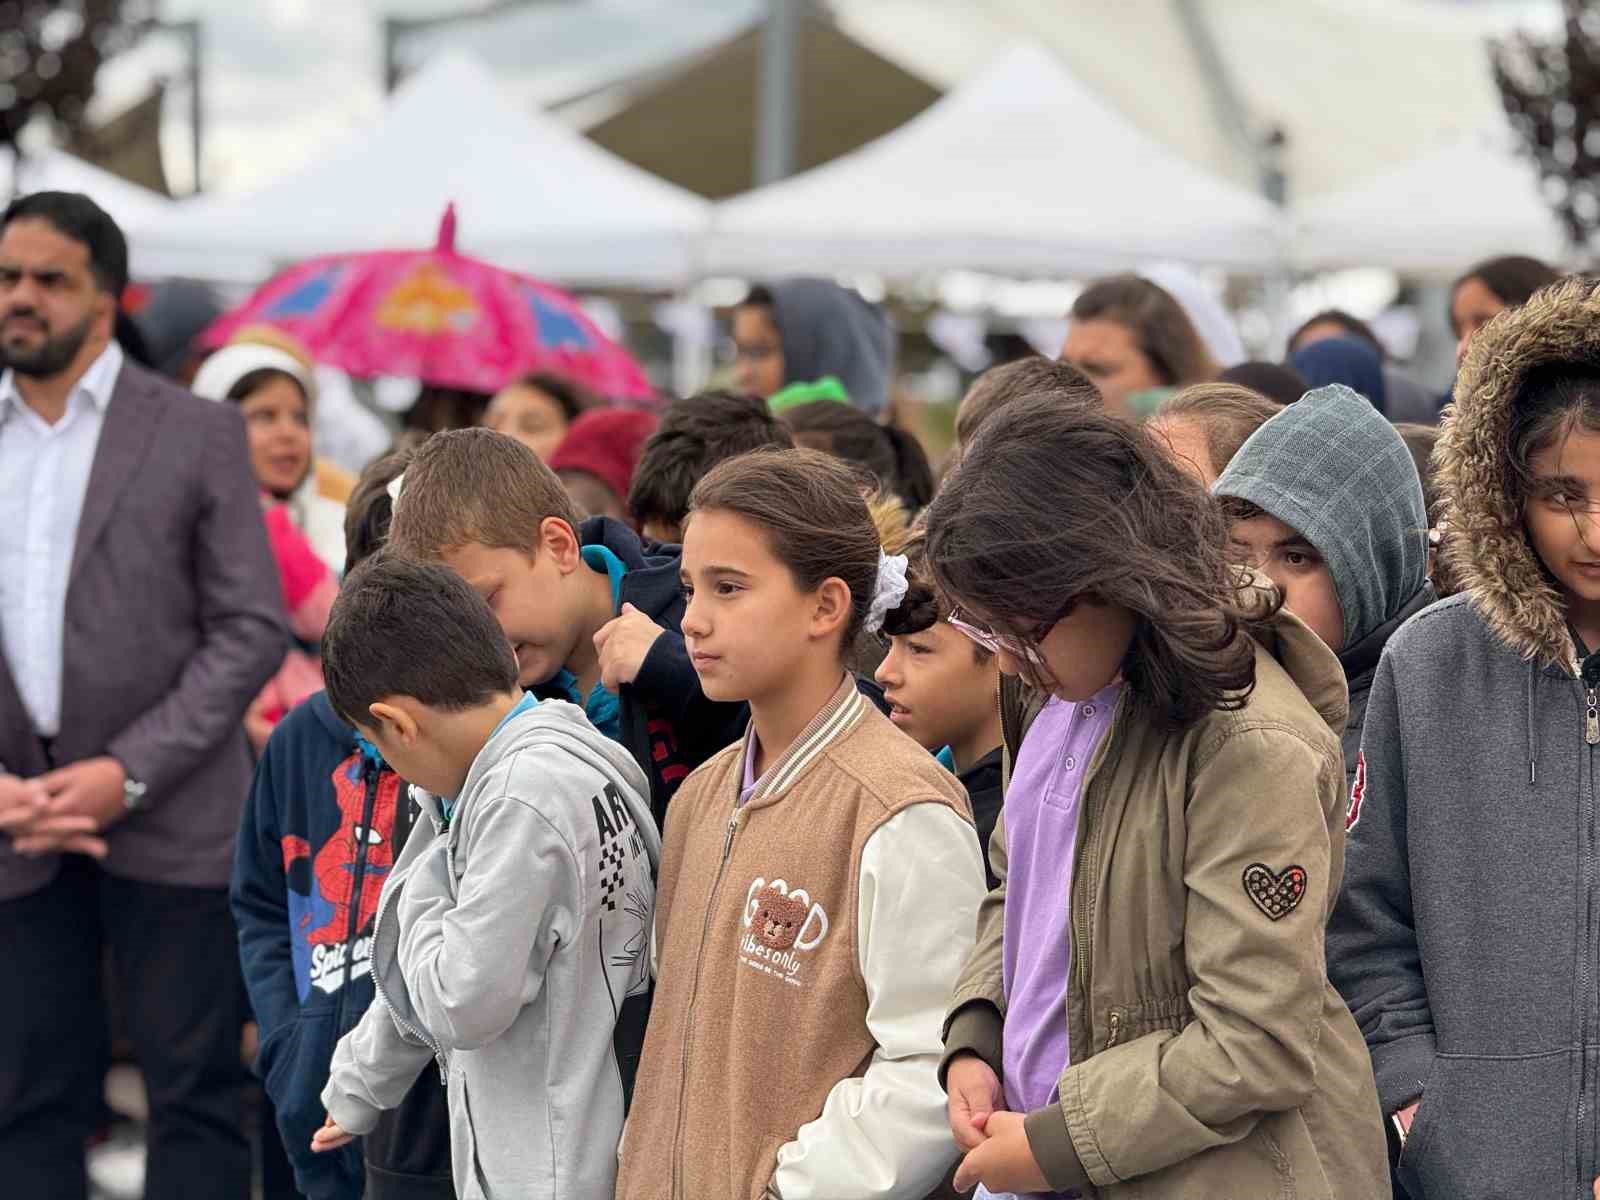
point(838, 717)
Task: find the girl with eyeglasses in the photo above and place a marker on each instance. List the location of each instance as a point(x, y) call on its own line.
point(1146, 1010)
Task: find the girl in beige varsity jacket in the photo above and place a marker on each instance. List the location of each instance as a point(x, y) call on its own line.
point(819, 879)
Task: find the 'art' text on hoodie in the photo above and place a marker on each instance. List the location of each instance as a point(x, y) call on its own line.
point(1333, 469)
point(1467, 937)
point(512, 946)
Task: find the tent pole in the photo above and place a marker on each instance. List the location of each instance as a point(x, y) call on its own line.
point(775, 128)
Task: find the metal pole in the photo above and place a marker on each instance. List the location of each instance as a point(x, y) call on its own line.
point(189, 32)
point(196, 102)
point(393, 27)
point(1264, 152)
point(775, 128)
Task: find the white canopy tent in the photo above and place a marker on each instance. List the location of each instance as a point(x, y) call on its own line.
point(1467, 200)
point(1354, 85)
point(1021, 170)
point(51, 170)
point(532, 195)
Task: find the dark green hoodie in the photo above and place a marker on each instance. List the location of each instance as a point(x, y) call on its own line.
point(1332, 468)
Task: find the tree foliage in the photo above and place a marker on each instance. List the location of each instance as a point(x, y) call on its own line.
point(1551, 92)
point(50, 55)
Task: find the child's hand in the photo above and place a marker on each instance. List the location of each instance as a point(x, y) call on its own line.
point(330, 1137)
point(975, 1092)
point(1003, 1163)
point(623, 643)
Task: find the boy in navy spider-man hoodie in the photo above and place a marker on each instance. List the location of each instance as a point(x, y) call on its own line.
point(318, 839)
point(323, 825)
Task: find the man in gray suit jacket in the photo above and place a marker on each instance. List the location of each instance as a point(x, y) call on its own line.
point(140, 611)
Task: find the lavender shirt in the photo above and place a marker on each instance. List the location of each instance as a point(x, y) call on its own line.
point(747, 786)
point(1041, 815)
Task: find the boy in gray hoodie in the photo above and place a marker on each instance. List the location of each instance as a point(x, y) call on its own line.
point(1326, 501)
point(511, 941)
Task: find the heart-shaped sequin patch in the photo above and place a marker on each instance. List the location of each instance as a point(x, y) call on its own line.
point(1276, 893)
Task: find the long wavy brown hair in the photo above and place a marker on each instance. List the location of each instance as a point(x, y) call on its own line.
point(1057, 503)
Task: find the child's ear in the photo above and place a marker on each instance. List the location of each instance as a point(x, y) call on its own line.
point(832, 612)
point(393, 721)
point(560, 541)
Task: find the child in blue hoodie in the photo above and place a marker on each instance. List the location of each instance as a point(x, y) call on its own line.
point(323, 825)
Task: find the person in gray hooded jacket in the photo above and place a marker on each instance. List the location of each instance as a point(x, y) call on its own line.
point(1467, 936)
point(800, 330)
point(1326, 501)
point(512, 937)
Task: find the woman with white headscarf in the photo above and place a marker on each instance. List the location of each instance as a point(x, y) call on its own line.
point(274, 392)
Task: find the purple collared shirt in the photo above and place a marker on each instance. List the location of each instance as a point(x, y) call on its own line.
point(748, 786)
point(1041, 815)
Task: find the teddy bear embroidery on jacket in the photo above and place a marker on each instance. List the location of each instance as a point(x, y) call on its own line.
point(782, 924)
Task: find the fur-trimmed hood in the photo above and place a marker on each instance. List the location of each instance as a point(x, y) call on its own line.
point(1486, 545)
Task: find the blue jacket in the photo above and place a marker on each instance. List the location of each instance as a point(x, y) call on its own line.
point(317, 841)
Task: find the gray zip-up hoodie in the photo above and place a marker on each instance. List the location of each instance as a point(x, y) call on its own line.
point(1465, 940)
point(1332, 468)
point(512, 945)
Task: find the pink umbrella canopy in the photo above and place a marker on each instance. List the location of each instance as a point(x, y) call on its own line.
point(437, 316)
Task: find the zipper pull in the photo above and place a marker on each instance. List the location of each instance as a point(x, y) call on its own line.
point(1591, 721)
point(733, 821)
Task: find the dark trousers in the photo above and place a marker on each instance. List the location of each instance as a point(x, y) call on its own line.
point(175, 961)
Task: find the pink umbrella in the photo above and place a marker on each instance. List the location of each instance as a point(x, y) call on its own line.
point(440, 317)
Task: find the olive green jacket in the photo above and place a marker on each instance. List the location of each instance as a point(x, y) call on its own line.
point(1211, 1058)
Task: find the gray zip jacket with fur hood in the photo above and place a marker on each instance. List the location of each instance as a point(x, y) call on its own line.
point(1466, 940)
point(512, 945)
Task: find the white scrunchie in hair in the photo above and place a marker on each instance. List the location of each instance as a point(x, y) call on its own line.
point(890, 589)
point(394, 489)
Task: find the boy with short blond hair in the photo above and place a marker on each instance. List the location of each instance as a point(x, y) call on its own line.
point(591, 616)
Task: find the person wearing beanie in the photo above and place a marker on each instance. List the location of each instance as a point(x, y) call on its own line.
point(273, 389)
point(348, 435)
point(1406, 399)
point(596, 460)
point(800, 330)
point(1347, 361)
point(1326, 501)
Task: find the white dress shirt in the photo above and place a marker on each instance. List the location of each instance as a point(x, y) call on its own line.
point(44, 474)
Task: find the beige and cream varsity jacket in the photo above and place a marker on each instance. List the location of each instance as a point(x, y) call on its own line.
point(807, 944)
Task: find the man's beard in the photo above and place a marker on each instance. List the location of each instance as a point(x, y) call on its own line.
point(52, 356)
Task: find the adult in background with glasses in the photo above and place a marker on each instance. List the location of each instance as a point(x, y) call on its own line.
point(803, 330)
